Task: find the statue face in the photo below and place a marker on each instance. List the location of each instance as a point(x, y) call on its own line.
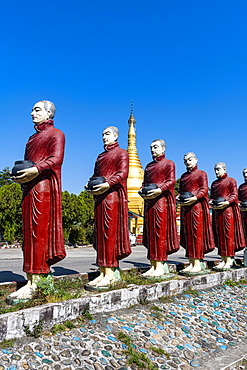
point(39, 114)
point(156, 149)
point(190, 161)
point(108, 136)
point(245, 174)
point(219, 171)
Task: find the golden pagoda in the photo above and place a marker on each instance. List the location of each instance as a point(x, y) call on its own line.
point(135, 180)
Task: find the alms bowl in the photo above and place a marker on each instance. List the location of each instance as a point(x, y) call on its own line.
point(185, 195)
point(218, 200)
point(93, 181)
point(148, 187)
point(21, 165)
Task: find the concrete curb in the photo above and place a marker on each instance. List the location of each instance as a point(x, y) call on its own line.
point(12, 324)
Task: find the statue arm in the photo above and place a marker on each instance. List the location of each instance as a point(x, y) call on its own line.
point(233, 192)
point(56, 153)
point(122, 171)
point(170, 178)
point(202, 191)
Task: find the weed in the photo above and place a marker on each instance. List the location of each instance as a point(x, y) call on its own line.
point(155, 308)
point(166, 299)
point(69, 325)
point(88, 315)
point(7, 343)
point(160, 351)
point(143, 302)
point(46, 284)
point(157, 315)
point(135, 357)
point(232, 283)
point(191, 291)
point(37, 329)
point(126, 339)
point(57, 328)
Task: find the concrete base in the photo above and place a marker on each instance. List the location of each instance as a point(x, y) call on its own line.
point(14, 301)
point(162, 277)
point(12, 323)
point(188, 273)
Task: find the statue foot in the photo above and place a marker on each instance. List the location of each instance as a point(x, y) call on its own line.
point(221, 265)
point(158, 272)
point(196, 269)
point(25, 292)
point(21, 291)
point(96, 280)
point(149, 272)
point(188, 269)
point(107, 280)
point(228, 265)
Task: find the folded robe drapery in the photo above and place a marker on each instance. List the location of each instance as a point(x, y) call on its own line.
point(43, 243)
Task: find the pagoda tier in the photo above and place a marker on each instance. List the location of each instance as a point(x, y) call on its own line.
point(135, 180)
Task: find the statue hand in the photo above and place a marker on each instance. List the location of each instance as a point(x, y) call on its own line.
point(189, 201)
point(26, 175)
point(221, 205)
point(100, 189)
point(151, 194)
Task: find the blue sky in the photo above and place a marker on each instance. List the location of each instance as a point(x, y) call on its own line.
point(182, 62)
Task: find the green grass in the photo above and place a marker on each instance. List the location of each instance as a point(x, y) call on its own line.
point(7, 343)
point(160, 351)
point(36, 331)
point(191, 291)
point(232, 283)
point(134, 356)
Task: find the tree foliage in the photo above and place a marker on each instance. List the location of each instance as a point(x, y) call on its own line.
point(176, 187)
point(78, 217)
point(10, 212)
point(5, 177)
point(77, 211)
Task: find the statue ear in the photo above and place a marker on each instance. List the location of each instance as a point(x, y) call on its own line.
point(49, 112)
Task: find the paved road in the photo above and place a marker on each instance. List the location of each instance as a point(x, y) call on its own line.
point(81, 260)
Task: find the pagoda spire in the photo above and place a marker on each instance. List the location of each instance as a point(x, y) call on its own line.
point(135, 178)
point(132, 149)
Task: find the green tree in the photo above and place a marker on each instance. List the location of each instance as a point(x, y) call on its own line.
point(77, 217)
point(176, 187)
point(5, 177)
point(10, 212)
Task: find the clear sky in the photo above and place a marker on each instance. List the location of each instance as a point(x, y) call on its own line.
point(182, 62)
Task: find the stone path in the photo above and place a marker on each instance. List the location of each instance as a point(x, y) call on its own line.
point(194, 330)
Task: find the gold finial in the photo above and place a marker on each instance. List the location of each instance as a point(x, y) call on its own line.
point(132, 119)
point(131, 107)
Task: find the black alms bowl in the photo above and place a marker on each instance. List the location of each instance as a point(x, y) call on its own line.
point(148, 187)
point(244, 204)
point(21, 165)
point(185, 195)
point(93, 181)
point(218, 200)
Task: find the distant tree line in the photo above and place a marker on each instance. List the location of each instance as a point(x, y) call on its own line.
point(77, 213)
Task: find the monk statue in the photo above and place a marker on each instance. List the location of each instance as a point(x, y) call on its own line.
point(196, 234)
point(242, 197)
point(227, 224)
point(160, 232)
point(111, 234)
point(43, 242)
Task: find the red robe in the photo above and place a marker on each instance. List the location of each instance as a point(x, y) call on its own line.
point(196, 234)
point(111, 233)
point(227, 224)
point(242, 196)
point(43, 243)
point(160, 231)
